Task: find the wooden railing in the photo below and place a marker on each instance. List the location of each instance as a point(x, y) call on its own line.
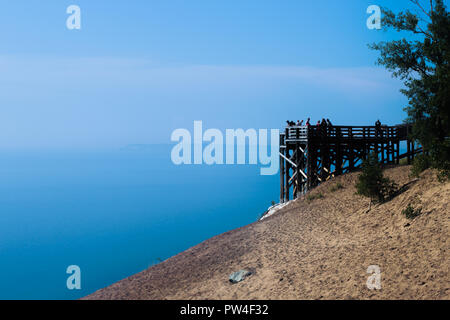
point(296, 133)
point(304, 133)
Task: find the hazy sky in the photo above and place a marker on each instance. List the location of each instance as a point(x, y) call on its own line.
point(137, 70)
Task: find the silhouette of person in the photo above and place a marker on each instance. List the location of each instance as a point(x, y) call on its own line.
point(378, 128)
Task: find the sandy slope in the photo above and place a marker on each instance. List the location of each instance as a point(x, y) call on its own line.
point(317, 249)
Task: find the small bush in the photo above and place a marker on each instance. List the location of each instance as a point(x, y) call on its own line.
point(443, 175)
point(420, 163)
point(410, 212)
point(442, 163)
point(336, 187)
point(312, 197)
point(443, 168)
point(273, 203)
point(371, 182)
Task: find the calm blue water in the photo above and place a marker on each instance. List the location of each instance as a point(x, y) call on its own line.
point(113, 214)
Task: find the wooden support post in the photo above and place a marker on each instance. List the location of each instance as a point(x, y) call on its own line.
point(339, 159)
point(282, 150)
point(388, 145)
point(300, 156)
point(375, 148)
point(364, 149)
point(294, 181)
point(391, 141)
point(351, 157)
point(322, 160)
point(397, 155)
point(287, 166)
point(408, 150)
point(308, 160)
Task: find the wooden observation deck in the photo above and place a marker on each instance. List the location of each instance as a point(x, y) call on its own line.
point(310, 155)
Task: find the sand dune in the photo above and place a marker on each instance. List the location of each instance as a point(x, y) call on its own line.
point(317, 249)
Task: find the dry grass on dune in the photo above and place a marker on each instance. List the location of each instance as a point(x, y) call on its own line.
point(317, 249)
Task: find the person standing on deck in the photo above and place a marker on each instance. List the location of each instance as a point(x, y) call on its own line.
point(378, 128)
point(323, 127)
point(329, 126)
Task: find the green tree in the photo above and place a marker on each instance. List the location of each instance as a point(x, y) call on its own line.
point(423, 65)
point(371, 182)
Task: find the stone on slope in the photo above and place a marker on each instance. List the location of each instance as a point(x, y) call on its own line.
point(240, 275)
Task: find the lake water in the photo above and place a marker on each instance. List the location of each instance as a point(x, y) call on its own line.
point(113, 214)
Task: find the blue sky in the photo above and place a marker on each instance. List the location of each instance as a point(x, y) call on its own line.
point(137, 70)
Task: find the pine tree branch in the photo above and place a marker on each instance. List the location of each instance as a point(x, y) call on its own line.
point(420, 30)
point(416, 2)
